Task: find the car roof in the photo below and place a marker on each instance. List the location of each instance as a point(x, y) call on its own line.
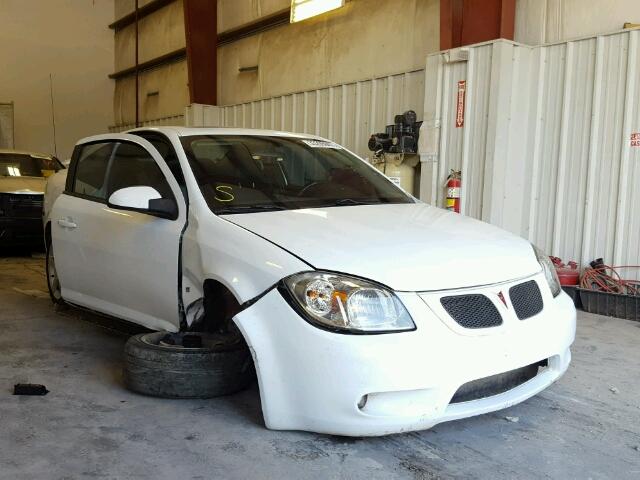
point(190, 131)
point(24, 152)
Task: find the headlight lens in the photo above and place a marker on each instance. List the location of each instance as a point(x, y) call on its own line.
point(549, 271)
point(348, 304)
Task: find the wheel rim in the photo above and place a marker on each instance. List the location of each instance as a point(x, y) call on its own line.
point(52, 275)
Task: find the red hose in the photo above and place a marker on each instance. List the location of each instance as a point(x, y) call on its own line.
point(607, 279)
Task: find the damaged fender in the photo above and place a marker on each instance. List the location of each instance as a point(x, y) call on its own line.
point(216, 249)
point(312, 379)
point(260, 326)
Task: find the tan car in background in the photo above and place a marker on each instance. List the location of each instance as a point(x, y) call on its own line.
point(23, 176)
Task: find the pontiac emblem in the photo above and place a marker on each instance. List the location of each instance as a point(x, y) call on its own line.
point(502, 299)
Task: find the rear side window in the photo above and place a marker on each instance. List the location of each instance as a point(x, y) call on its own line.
point(133, 166)
point(91, 170)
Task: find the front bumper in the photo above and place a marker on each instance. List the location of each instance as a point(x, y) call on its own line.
point(311, 379)
point(21, 231)
point(21, 219)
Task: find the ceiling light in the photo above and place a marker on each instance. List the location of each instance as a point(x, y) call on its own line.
point(303, 9)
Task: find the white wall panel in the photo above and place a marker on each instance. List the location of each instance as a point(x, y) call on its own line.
point(164, 121)
point(347, 113)
point(546, 145)
point(545, 21)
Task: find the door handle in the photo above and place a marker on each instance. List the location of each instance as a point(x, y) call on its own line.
point(64, 223)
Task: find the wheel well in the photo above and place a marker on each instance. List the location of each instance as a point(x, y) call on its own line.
point(220, 306)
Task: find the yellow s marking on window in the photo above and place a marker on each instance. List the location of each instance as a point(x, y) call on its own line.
point(225, 190)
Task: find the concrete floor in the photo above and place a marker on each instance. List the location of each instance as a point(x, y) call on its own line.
point(89, 426)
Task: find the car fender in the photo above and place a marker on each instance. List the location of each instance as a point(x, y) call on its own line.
point(245, 263)
point(53, 189)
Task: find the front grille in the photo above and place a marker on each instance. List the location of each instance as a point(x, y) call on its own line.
point(496, 384)
point(472, 311)
point(526, 299)
point(23, 205)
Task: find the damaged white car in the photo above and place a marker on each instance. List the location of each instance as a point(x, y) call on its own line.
point(365, 311)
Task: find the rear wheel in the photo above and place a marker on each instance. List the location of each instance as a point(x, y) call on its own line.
point(187, 365)
point(53, 282)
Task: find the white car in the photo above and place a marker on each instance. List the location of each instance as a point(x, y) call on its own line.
point(366, 311)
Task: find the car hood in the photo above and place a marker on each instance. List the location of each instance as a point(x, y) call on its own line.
point(28, 185)
point(408, 247)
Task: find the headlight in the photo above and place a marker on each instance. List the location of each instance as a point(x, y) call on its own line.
point(549, 271)
point(342, 303)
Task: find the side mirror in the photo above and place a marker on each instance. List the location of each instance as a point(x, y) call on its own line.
point(145, 200)
point(164, 207)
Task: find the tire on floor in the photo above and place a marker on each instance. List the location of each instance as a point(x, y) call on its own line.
point(158, 364)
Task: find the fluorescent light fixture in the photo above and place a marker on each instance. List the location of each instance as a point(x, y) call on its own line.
point(303, 9)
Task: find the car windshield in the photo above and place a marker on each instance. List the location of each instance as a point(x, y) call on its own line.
point(241, 174)
point(23, 165)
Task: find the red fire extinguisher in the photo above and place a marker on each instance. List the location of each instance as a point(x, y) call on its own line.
point(453, 186)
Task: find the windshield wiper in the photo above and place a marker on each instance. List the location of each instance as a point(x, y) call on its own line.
point(249, 209)
point(350, 201)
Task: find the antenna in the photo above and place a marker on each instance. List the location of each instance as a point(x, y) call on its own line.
point(53, 116)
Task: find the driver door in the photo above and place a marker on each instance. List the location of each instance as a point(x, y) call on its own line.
point(119, 262)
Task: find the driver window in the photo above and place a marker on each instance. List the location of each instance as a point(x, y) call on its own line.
point(133, 166)
point(91, 170)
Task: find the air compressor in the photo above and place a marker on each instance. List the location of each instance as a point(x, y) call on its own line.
point(396, 150)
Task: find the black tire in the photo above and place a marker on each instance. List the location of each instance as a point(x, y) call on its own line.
point(53, 283)
point(221, 366)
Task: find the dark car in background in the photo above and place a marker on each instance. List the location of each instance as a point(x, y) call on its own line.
point(23, 176)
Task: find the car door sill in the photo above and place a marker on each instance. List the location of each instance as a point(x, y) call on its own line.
point(111, 322)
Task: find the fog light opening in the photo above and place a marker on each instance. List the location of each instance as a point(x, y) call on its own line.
point(363, 401)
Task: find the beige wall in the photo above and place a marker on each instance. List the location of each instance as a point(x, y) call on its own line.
point(124, 7)
point(170, 83)
point(365, 38)
point(234, 13)
point(159, 33)
point(68, 39)
point(545, 21)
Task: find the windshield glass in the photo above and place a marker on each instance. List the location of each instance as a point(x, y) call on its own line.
point(21, 165)
point(253, 173)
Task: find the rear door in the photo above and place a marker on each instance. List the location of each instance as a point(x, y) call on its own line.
point(119, 262)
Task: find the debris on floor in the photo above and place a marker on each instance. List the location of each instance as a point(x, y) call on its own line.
point(614, 390)
point(512, 419)
point(29, 389)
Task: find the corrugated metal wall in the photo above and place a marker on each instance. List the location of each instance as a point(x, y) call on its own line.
point(347, 113)
point(156, 122)
point(545, 148)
